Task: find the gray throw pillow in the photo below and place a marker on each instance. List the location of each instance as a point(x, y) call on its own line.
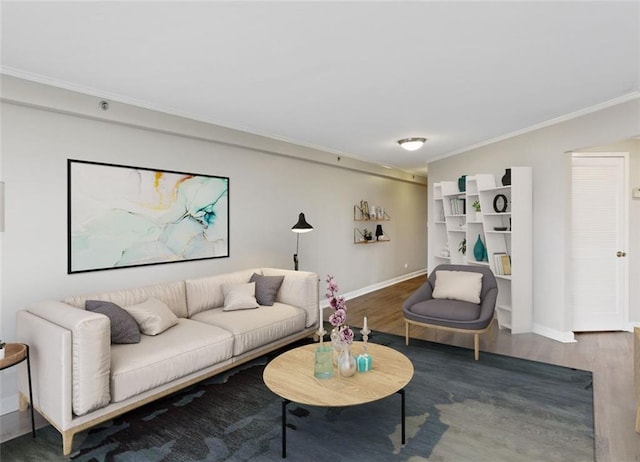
point(266, 288)
point(124, 328)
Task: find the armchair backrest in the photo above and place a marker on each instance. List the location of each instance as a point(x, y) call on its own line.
point(488, 279)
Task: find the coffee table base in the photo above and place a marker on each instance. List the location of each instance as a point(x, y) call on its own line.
point(285, 402)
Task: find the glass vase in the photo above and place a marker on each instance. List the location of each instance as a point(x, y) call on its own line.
point(336, 344)
point(346, 362)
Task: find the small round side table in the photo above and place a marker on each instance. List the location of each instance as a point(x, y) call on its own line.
point(15, 353)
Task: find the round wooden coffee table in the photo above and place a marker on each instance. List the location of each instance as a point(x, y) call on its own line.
point(290, 376)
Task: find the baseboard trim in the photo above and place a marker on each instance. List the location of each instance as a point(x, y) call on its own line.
point(380, 285)
point(560, 336)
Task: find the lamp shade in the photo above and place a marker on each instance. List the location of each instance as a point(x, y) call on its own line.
point(411, 144)
point(301, 226)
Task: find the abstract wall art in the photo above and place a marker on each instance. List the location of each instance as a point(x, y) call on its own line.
point(121, 216)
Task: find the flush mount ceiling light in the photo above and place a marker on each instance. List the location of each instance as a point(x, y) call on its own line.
point(411, 144)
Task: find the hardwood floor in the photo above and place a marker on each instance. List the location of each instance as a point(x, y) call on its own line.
point(609, 355)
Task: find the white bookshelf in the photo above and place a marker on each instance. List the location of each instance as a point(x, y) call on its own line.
point(505, 233)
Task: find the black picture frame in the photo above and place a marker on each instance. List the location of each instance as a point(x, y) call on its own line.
point(122, 216)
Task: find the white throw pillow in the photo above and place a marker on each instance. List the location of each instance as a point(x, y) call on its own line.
point(239, 296)
point(153, 316)
point(458, 285)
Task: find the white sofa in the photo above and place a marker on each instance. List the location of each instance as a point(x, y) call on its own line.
point(80, 379)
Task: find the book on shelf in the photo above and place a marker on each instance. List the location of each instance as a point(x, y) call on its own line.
point(457, 206)
point(502, 263)
point(506, 265)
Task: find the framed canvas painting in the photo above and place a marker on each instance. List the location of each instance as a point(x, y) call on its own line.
point(121, 216)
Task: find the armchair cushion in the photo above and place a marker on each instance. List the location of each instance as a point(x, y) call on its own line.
point(464, 286)
point(451, 310)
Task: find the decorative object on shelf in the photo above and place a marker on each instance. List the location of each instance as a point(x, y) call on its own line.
point(379, 232)
point(341, 334)
point(479, 250)
point(2, 345)
point(500, 203)
point(367, 234)
point(462, 248)
point(300, 227)
point(499, 228)
point(506, 179)
point(411, 144)
point(462, 183)
point(364, 210)
point(363, 360)
point(476, 207)
point(445, 250)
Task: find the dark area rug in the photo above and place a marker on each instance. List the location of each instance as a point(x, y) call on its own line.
point(496, 409)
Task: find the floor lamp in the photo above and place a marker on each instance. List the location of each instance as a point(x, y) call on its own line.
point(300, 227)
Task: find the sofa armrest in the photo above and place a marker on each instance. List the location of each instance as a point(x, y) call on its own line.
point(299, 288)
point(90, 351)
point(50, 358)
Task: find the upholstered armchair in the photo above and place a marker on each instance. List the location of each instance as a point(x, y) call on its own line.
point(455, 298)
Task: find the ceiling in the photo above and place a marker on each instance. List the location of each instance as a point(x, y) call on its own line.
point(347, 77)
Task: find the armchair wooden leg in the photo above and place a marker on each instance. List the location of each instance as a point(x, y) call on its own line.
point(406, 335)
point(476, 346)
point(638, 420)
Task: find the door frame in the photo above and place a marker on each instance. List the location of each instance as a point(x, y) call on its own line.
point(626, 324)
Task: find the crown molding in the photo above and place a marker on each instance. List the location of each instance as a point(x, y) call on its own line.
point(563, 118)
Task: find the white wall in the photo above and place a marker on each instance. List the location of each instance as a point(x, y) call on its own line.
point(267, 191)
point(548, 150)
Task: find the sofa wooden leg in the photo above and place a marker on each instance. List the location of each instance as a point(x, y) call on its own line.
point(406, 335)
point(67, 442)
point(476, 346)
point(638, 419)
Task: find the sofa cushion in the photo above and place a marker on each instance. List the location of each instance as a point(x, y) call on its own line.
point(266, 288)
point(464, 286)
point(256, 328)
point(124, 328)
point(239, 296)
point(171, 293)
point(206, 293)
point(153, 316)
point(187, 347)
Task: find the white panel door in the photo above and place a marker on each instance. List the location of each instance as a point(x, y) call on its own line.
point(598, 223)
